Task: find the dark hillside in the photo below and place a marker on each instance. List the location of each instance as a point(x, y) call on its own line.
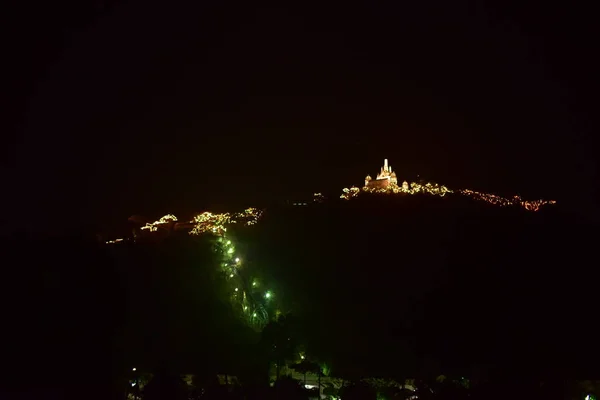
point(460, 281)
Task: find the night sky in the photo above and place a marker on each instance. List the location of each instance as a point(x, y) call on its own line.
point(125, 108)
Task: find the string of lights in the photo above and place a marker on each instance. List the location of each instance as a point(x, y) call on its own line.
point(246, 294)
point(441, 190)
point(217, 223)
point(530, 205)
point(153, 227)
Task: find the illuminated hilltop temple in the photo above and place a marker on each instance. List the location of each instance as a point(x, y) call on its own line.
point(385, 178)
point(387, 183)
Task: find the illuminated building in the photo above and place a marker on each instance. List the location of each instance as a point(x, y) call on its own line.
point(385, 178)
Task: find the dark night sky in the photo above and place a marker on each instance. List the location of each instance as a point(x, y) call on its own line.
point(145, 108)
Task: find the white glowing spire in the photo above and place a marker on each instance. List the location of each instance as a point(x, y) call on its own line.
point(385, 165)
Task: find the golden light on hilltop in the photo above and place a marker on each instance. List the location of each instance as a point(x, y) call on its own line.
point(441, 190)
point(386, 183)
